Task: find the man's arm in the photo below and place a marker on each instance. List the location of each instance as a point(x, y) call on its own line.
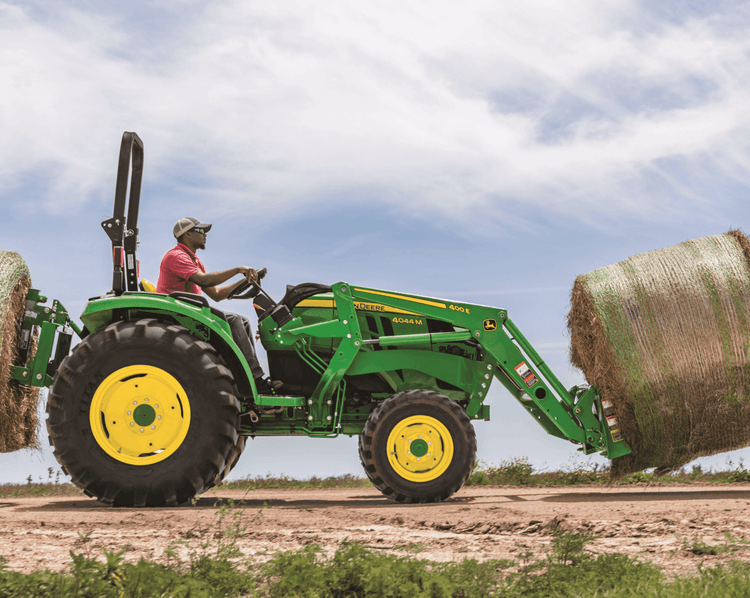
point(220, 293)
point(211, 279)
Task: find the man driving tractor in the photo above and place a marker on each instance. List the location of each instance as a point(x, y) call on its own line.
point(182, 270)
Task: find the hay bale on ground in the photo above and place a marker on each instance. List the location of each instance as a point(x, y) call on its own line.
point(18, 403)
point(665, 336)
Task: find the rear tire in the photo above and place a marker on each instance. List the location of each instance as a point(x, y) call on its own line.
point(143, 414)
point(418, 446)
point(234, 456)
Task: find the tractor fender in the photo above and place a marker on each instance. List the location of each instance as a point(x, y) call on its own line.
point(191, 312)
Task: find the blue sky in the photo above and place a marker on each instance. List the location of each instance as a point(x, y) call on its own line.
point(485, 152)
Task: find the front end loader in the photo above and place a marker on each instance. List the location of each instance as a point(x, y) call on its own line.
point(153, 406)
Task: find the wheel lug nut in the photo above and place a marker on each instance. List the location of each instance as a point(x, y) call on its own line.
point(154, 428)
point(141, 429)
point(130, 413)
point(131, 424)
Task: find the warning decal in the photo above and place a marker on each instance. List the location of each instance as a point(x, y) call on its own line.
point(526, 374)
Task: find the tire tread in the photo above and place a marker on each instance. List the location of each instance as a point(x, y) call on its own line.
point(67, 413)
point(369, 459)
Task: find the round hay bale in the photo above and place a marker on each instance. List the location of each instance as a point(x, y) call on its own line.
point(18, 403)
point(665, 336)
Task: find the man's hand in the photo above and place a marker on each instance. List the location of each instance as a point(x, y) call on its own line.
point(251, 275)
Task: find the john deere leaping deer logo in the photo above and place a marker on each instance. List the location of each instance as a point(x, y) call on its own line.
point(489, 325)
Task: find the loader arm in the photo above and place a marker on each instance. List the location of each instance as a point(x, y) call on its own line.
point(576, 415)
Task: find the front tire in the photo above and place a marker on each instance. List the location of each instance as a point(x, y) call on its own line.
point(418, 446)
point(143, 414)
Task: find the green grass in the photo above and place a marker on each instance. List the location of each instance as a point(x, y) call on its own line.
point(53, 487)
point(512, 472)
point(520, 472)
point(271, 481)
point(214, 566)
point(208, 562)
point(38, 489)
point(49, 487)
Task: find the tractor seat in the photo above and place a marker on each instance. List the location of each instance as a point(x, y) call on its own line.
point(146, 286)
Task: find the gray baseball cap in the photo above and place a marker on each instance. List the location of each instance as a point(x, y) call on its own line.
point(186, 224)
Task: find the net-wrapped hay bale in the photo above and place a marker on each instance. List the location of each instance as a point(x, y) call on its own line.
point(665, 336)
point(18, 403)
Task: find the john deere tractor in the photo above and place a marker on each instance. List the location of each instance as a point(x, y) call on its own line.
point(153, 406)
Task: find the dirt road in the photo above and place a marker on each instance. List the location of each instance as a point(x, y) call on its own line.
point(659, 524)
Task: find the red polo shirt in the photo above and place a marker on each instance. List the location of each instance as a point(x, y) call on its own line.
point(177, 266)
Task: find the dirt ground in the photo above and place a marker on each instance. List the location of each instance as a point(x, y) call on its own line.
point(653, 523)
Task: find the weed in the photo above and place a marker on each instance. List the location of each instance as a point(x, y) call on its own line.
point(257, 517)
point(171, 555)
point(84, 541)
point(525, 555)
point(568, 548)
point(213, 552)
point(357, 571)
point(567, 568)
point(699, 547)
point(734, 475)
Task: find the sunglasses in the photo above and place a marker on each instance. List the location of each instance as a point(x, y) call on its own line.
point(200, 231)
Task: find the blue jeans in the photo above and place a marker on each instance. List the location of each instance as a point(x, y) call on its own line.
point(242, 333)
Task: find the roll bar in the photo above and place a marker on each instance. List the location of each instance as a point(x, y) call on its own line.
point(122, 231)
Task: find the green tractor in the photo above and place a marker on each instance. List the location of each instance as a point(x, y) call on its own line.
point(154, 405)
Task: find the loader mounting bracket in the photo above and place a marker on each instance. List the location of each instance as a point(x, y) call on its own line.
point(55, 337)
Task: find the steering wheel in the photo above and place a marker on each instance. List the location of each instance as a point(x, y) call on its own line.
point(238, 292)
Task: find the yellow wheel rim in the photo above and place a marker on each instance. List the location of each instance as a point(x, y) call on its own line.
point(140, 415)
point(420, 448)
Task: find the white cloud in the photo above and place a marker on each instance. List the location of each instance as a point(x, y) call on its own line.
point(570, 108)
